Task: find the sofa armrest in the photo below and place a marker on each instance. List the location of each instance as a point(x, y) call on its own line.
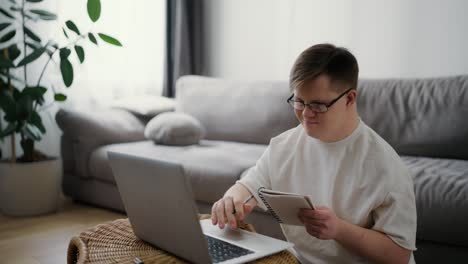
point(87, 130)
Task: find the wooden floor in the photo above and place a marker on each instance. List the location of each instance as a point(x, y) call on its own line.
point(44, 239)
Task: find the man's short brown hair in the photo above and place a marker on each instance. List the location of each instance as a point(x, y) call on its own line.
point(336, 62)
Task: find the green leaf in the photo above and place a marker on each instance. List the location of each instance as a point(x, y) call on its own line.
point(6, 63)
point(72, 27)
point(24, 107)
point(33, 18)
point(66, 69)
point(31, 57)
point(94, 9)
point(3, 11)
point(60, 97)
point(16, 94)
point(33, 46)
point(10, 129)
point(4, 25)
point(53, 44)
point(92, 38)
point(65, 33)
point(13, 52)
point(110, 39)
point(20, 125)
point(34, 1)
point(32, 132)
point(49, 52)
point(8, 36)
point(36, 120)
point(31, 34)
point(80, 53)
point(36, 93)
point(15, 9)
point(51, 49)
point(44, 14)
point(64, 53)
point(7, 103)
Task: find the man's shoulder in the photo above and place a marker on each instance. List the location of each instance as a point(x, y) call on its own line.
point(378, 147)
point(384, 161)
point(287, 136)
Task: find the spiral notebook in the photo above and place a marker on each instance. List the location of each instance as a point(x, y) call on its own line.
point(284, 206)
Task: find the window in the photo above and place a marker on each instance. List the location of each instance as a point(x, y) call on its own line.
point(111, 72)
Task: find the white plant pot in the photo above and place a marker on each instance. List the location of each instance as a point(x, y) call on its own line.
point(28, 189)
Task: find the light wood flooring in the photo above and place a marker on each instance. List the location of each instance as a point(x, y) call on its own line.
point(44, 239)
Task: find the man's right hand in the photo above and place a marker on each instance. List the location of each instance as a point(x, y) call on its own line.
point(229, 210)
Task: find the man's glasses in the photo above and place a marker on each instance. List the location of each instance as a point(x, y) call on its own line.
point(316, 107)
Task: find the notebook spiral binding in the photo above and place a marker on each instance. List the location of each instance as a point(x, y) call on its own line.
point(272, 212)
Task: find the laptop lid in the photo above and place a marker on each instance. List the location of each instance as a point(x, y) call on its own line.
point(160, 206)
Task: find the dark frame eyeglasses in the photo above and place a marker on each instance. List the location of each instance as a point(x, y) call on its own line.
point(316, 107)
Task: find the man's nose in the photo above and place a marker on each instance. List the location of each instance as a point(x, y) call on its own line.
point(307, 112)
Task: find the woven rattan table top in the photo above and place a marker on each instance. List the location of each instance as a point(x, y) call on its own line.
point(115, 242)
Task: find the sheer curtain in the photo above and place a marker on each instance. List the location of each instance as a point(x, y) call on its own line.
point(111, 72)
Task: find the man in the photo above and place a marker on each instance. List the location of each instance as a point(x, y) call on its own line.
point(365, 206)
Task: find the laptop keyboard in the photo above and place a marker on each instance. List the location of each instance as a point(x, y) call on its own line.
point(221, 251)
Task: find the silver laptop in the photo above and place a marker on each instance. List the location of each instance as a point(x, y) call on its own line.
point(160, 206)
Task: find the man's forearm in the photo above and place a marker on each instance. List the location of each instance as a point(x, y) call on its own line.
point(371, 244)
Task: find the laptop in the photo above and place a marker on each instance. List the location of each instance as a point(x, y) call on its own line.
point(161, 208)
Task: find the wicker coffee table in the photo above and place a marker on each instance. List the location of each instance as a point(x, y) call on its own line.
point(115, 242)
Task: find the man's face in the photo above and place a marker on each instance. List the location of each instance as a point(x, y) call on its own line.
point(327, 126)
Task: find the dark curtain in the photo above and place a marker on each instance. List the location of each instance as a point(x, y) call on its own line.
point(184, 38)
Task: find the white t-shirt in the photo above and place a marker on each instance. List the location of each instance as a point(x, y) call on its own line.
point(361, 178)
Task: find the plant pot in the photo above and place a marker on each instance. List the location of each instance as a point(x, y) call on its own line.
point(28, 189)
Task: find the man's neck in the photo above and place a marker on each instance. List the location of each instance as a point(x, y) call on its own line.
point(349, 125)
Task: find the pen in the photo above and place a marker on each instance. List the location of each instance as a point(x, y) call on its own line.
point(248, 199)
point(244, 202)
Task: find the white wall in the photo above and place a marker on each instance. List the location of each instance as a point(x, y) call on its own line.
point(260, 39)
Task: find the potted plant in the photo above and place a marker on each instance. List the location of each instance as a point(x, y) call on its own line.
point(30, 184)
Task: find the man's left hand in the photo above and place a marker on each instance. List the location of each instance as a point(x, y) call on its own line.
point(321, 223)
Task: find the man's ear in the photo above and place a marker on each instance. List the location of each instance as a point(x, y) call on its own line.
point(351, 97)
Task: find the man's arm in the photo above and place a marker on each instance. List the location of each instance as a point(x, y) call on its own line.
point(371, 244)
point(232, 201)
point(322, 223)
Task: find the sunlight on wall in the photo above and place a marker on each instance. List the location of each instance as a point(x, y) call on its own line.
point(111, 72)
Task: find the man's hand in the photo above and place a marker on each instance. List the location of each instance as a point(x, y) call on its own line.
point(321, 223)
point(229, 210)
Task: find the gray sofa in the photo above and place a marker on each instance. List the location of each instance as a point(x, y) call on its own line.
point(425, 120)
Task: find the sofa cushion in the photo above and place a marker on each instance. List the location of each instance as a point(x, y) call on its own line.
point(441, 189)
point(418, 117)
point(213, 166)
point(89, 129)
point(176, 129)
point(242, 111)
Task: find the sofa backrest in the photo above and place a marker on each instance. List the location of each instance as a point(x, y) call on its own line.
point(242, 111)
point(420, 117)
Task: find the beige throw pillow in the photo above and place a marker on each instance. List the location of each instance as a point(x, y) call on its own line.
point(174, 128)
